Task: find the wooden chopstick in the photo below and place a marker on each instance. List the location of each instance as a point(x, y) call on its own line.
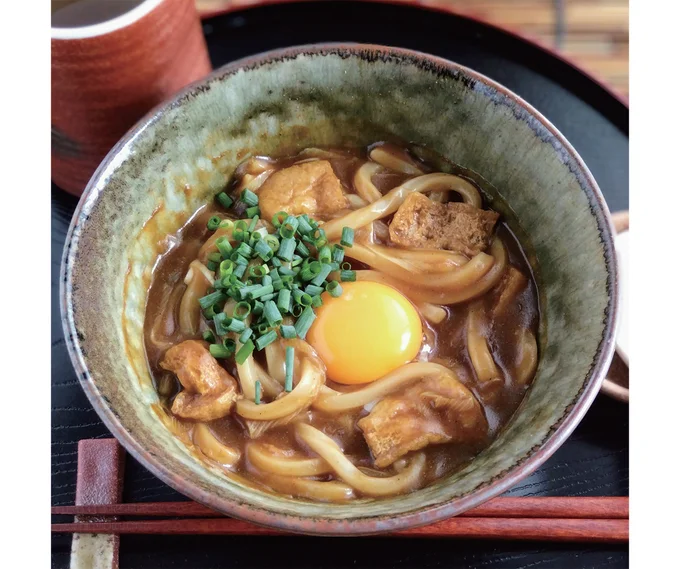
point(558, 507)
point(540, 529)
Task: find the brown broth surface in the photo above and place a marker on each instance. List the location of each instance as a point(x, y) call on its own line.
point(446, 342)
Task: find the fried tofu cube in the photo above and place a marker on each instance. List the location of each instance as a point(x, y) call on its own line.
point(209, 390)
point(422, 223)
point(309, 187)
point(434, 411)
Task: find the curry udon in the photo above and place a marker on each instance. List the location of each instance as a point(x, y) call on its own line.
point(341, 324)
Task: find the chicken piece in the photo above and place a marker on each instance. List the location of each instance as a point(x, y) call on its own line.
point(209, 390)
point(434, 411)
point(310, 187)
point(422, 223)
point(511, 286)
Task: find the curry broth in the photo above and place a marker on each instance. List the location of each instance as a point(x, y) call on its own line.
point(445, 342)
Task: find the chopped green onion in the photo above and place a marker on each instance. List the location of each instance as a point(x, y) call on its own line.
point(225, 200)
point(224, 246)
point(244, 292)
point(306, 299)
point(262, 328)
point(297, 260)
point(338, 253)
point(239, 270)
point(254, 213)
point(304, 322)
point(220, 321)
point(272, 314)
point(334, 289)
point(263, 250)
point(267, 297)
point(283, 300)
point(219, 351)
point(318, 234)
point(226, 224)
point(208, 336)
point(258, 392)
point(297, 310)
point(266, 339)
point(234, 279)
point(313, 290)
point(279, 218)
point(244, 352)
point(209, 313)
point(304, 226)
point(239, 235)
point(235, 325)
point(258, 308)
point(297, 295)
point(229, 344)
point(285, 271)
point(346, 266)
point(262, 291)
point(347, 237)
point(267, 280)
point(253, 223)
point(211, 265)
point(310, 271)
point(273, 243)
point(209, 299)
point(249, 198)
point(290, 363)
point(241, 310)
point(245, 250)
point(316, 301)
point(286, 249)
point(288, 332)
point(287, 231)
point(257, 271)
point(247, 333)
point(302, 249)
point(325, 254)
point(241, 224)
point(214, 257)
point(275, 260)
point(323, 273)
point(226, 268)
point(348, 276)
point(277, 284)
point(292, 222)
point(214, 222)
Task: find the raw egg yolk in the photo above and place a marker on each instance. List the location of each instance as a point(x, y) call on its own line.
point(366, 332)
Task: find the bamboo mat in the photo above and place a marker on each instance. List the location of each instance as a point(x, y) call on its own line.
point(592, 33)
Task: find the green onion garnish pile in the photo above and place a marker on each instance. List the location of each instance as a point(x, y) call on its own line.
point(270, 276)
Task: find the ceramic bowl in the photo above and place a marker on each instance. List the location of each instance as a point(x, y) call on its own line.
point(182, 154)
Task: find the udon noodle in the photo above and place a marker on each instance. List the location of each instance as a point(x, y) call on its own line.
point(286, 418)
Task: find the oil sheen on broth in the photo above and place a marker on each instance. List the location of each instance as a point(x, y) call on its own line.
point(434, 264)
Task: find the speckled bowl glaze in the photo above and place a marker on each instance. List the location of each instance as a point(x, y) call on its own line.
point(181, 154)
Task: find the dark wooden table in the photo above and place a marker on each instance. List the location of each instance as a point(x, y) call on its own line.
point(593, 462)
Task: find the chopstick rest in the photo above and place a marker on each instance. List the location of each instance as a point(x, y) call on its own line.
point(99, 482)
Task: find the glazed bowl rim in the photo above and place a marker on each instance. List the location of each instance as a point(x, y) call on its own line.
point(352, 526)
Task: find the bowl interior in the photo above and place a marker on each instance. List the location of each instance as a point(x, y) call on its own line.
point(182, 154)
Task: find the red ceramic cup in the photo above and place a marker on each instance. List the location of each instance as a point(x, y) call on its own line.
point(107, 74)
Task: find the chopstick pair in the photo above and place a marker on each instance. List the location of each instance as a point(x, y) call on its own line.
point(596, 519)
